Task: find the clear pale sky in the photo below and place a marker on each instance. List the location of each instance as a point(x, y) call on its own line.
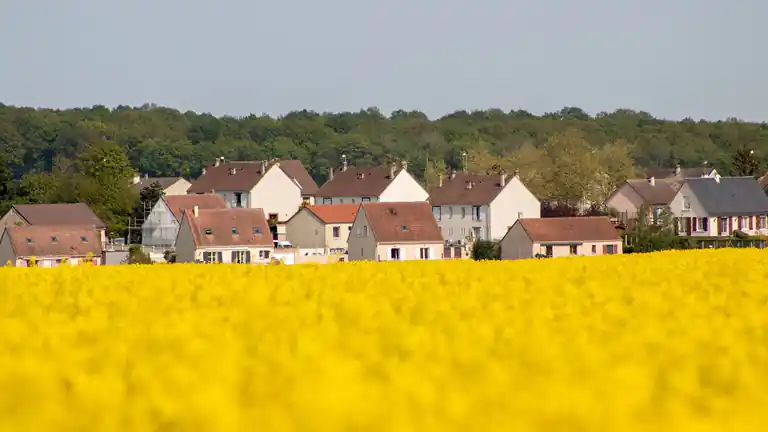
point(673, 58)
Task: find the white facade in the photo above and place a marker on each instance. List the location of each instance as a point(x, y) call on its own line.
point(403, 188)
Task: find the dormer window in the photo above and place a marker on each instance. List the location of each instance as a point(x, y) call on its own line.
point(208, 231)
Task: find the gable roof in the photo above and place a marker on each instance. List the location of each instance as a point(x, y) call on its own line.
point(178, 203)
point(565, 229)
point(247, 174)
point(250, 227)
point(660, 193)
point(38, 241)
point(731, 196)
point(335, 213)
point(353, 181)
point(454, 189)
point(78, 214)
point(664, 173)
point(165, 182)
point(398, 222)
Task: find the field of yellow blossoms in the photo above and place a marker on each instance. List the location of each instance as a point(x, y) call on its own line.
point(667, 341)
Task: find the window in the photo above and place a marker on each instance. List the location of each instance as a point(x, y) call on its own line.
point(305, 200)
point(336, 232)
point(239, 199)
point(723, 224)
point(273, 217)
point(29, 240)
point(657, 214)
point(450, 212)
point(256, 230)
point(450, 231)
point(476, 213)
point(263, 254)
point(365, 230)
point(437, 213)
point(83, 239)
point(234, 230)
point(702, 225)
point(54, 239)
point(477, 232)
point(744, 223)
point(394, 254)
point(548, 250)
point(609, 249)
point(208, 231)
point(424, 253)
point(241, 257)
point(212, 257)
point(365, 199)
point(686, 203)
point(761, 222)
point(341, 200)
point(463, 212)
point(574, 249)
point(403, 228)
point(353, 200)
point(594, 249)
point(327, 201)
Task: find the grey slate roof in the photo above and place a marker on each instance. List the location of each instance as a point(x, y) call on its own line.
point(732, 196)
point(660, 193)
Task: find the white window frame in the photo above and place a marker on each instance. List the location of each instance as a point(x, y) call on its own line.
point(264, 254)
point(700, 224)
point(726, 221)
point(327, 200)
point(761, 222)
point(686, 203)
point(425, 253)
point(336, 232)
point(476, 215)
point(745, 223)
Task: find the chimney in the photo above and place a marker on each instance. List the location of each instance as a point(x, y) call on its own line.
point(195, 211)
point(136, 178)
point(652, 181)
point(232, 171)
point(677, 170)
point(203, 171)
point(263, 167)
point(217, 162)
point(517, 173)
point(717, 178)
point(469, 185)
point(392, 171)
point(440, 181)
point(330, 173)
point(453, 174)
point(146, 176)
point(344, 165)
point(404, 164)
point(503, 179)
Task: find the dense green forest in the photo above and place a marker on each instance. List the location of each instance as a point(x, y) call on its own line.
point(80, 154)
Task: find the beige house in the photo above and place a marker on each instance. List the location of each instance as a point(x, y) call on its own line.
point(711, 207)
point(633, 194)
point(557, 237)
point(471, 207)
point(50, 246)
point(59, 215)
point(350, 185)
point(170, 185)
point(401, 231)
point(277, 187)
point(321, 229)
point(232, 235)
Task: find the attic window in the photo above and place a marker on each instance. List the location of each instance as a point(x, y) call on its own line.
point(208, 231)
point(257, 230)
point(83, 238)
point(54, 239)
point(29, 240)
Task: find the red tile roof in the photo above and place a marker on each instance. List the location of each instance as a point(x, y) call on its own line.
point(353, 182)
point(587, 228)
point(54, 241)
point(402, 222)
point(178, 203)
point(335, 213)
point(229, 227)
point(78, 214)
point(455, 189)
point(247, 174)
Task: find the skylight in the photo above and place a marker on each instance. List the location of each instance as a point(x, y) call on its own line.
point(403, 227)
point(54, 239)
point(208, 231)
point(83, 238)
point(29, 240)
point(257, 230)
point(234, 230)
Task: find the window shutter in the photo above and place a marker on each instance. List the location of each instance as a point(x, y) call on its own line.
point(605, 249)
point(247, 257)
point(739, 224)
point(705, 224)
point(719, 226)
point(751, 224)
point(219, 256)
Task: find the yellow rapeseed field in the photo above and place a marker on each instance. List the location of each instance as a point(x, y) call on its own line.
point(667, 341)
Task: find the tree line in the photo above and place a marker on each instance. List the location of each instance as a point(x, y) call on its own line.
point(89, 154)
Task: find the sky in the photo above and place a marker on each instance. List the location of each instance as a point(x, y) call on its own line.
point(672, 58)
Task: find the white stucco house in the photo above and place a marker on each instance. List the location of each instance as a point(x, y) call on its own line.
point(352, 185)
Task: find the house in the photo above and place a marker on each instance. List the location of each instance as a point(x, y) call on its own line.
point(277, 187)
point(170, 185)
point(50, 246)
point(322, 229)
point(350, 185)
point(64, 215)
point(159, 231)
point(630, 196)
point(679, 174)
point(557, 237)
point(763, 181)
point(709, 207)
point(230, 235)
point(395, 231)
point(480, 207)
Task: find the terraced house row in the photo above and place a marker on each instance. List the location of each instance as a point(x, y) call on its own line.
point(256, 212)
